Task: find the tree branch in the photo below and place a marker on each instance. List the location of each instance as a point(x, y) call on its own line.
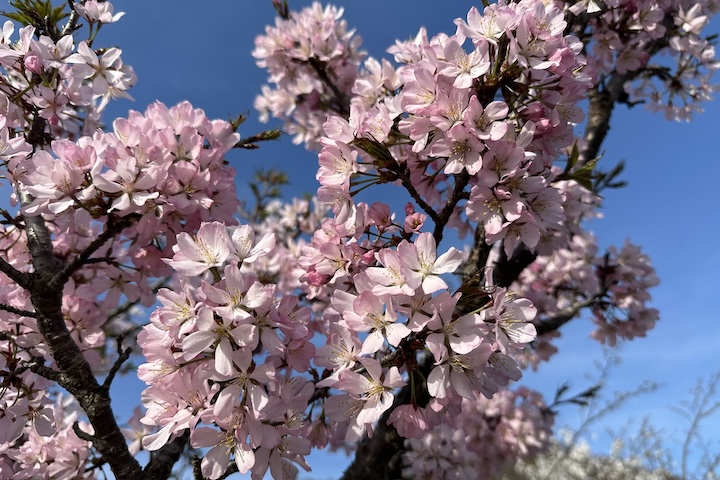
point(607, 93)
point(83, 258)
point(551, 324)
point(74, 372)
point(602, 103)
point(17, 311)
point(21, 278)
point(71, 25)
point(123, 355)
point(507, 270)
point(461, 181)
point(162, 461)
point(82, 434)
point(402, 176)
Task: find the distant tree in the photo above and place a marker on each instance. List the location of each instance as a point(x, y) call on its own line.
point(647, 454)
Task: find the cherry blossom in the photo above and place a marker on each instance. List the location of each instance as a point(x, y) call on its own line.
point(325, 321)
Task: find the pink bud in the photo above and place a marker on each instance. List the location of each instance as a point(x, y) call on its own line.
point(316, 279)
point(409, 209)
point(33, 62)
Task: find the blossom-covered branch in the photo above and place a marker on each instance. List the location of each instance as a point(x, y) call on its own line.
point(333, 322)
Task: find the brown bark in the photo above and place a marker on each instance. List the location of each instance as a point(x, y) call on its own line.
point(74, 372)
point(70, 368)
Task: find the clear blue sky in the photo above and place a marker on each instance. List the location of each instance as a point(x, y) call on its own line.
point(200, 51)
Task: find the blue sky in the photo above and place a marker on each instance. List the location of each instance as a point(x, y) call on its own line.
point(200, 51)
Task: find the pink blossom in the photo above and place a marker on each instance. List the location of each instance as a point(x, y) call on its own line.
point(485, 123)
point(376, 391)
point(423, 264)
point(409, 421)
point(94, 11)
point(464, 67)
point(373, 313)
point(222, 443)
point(337, 164)
point(129, 181)
point(208, 249)
point(245, 248)
point(33, 62)
point(103, 69)
point(341, 351)
point(393, 277)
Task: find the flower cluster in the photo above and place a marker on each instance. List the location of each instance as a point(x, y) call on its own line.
point(67, 87)
point(300, 330)
point(159, 174)
point(384, 307)
point(442, 132)
point(613, 285)
point(483, 438)
point(627, 275)
point(312, 60)
point(621, 37)
point(166, 165)
point(50, 447)
point(226, 352)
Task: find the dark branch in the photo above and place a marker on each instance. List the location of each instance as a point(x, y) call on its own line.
point(83, 258)
point(197, 469)
point(82, 434)
point(21, 278)
point(602, 103)
point(507, 270)
point(162, 461)
point(405, 180)
point(74, 372)
point(461, 181)
point(547, 325)
point(123, 355)
point(17, 311)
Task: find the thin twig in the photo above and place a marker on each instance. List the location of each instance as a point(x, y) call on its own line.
point(123, 355)
point(83, 258)
point(547, 325)
point(398, 171)
point(459, 193)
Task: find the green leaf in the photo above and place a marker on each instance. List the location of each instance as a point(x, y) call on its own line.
point(375, 149)
point(40, 14)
